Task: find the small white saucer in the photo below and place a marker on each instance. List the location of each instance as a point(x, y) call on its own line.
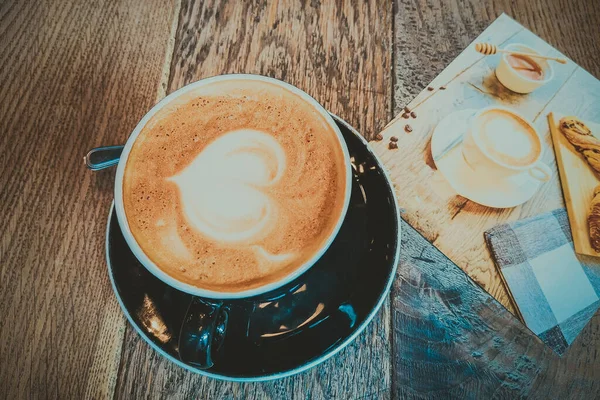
point(446, 149)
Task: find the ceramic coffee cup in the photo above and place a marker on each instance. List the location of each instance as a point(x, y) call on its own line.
point(205, 323)
point(518, 81)
point(501, 143)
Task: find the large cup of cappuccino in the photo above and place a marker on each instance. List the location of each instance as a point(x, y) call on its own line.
point(501, 143)
point(231, 187)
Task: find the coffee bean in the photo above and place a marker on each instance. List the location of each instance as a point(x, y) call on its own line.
point(430, 88)
point(442, 87)
point(408, 128)
point(413, 114)
point(393, 145)
point(394, 139)
point(406, 109)
point(405, 115)
point(379, 137)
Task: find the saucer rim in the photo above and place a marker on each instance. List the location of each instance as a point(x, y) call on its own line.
point(444, 171)
point(328, 353)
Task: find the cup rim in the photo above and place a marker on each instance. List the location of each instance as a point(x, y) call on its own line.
point(483, 150)
point(547, 67)
point(326, 355)
point(186, 287)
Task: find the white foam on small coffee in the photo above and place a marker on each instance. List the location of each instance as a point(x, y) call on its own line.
point(224, 189)
point(507, 137)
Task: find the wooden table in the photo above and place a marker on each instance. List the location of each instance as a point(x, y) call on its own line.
point(75, 75)
point(453, 223)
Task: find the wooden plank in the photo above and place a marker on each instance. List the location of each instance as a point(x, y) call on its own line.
point(441, 59)
point(581, 98)
point(74, 76)
point(432, 206)
point(340, 53)
point(429, 35)
point(453, 340)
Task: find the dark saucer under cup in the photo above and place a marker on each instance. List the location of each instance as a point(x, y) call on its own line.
point(299, 325)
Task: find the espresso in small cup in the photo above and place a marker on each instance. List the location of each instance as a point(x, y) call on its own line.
point(525, 66)
point(235, 184)
point(500, 143)
point(521, 73)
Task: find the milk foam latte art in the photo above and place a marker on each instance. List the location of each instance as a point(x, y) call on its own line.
point(507, 138)
point(222, 190)
point(235, 185)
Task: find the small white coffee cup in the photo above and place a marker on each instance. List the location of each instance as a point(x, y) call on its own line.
point(480, 160)
point(517, 82)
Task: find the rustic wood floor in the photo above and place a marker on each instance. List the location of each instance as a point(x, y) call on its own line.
point(76, 75)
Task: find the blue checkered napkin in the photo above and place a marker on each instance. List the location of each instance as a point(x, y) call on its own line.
point(554, 290)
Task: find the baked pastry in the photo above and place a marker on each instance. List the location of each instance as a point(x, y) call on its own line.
point(594, 220)
point(580, 136)
point(582, 139)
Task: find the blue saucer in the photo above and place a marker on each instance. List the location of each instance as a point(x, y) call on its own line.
point(300, 325)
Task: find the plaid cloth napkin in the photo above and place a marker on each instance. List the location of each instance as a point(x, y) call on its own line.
point(555, 290)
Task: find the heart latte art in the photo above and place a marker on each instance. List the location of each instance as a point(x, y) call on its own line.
point(234, 185)
point(224, 191)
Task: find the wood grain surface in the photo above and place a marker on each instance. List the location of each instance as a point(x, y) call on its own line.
point(304, 45)
point(452, 340)
point(435, 358)
point(76, 75)
point(451, 220)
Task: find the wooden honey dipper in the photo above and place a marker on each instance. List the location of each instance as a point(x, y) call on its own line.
point(488, 49)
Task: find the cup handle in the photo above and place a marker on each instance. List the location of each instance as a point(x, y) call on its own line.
point(541, 172)
point(202, 332)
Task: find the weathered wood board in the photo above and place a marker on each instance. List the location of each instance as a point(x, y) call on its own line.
point(451, 222)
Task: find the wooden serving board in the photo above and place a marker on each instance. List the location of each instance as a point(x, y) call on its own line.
point(578, 182)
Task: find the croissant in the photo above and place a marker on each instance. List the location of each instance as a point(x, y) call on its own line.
point(582, 139)
point(594, 220)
